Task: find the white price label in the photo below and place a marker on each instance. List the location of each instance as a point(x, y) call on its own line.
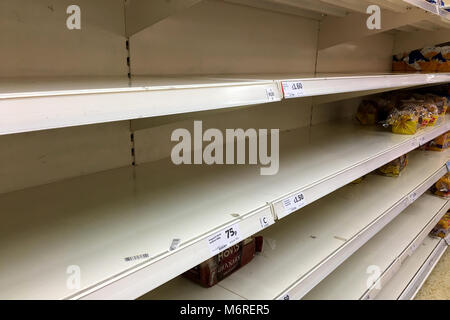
point(175, 244)
point(292, 89)
point(293, 203)
point(406, 202)
point(223, 239)
point(270, 94)
point(421, 140)
point(412, 197)
point(412, 249)
point(265, 222)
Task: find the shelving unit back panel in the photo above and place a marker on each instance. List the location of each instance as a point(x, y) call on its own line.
point(349, 280)
point(334, 111)
point(154, 143)
point(215, 37)
point(37, 42)
point(41, 157)
point(404, 41)
point(370, 54)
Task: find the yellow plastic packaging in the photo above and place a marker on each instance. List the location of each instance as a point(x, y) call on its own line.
point(440, 143)
point(367, 113)
point(439, 101)
point(405, 124)
point(442, 228)
point(395, 167)
point(442, 187)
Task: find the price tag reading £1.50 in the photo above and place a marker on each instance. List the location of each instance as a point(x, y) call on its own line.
point(223, 239)
point(292, 89)
point(293, 203)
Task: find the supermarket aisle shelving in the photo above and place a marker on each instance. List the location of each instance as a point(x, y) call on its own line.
point(365, 273)
point(98, 100)
point(311, 243)
point(141, 210)
point(414, 271)
point(435, 8)
point(133, 229)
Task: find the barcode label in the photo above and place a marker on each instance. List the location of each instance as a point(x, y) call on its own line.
point(292, 89)
point(270, 94)
point(175, 244)
point(138, 257)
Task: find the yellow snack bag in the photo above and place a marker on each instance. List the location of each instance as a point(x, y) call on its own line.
point(395, 167)
point(443, 226)
point(442, 187)
point(440, 143)
point(405, 124)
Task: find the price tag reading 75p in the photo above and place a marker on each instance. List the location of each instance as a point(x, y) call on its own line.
point(292, 89)
point(224, 239)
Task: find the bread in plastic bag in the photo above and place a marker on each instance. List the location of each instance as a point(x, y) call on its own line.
point(395, 167)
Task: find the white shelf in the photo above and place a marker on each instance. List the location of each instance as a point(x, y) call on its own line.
point(181, 288)
point(304, 248)
point(40, 104)
point(333, 83)
point(386, 252)
point(445, 14)
point(355, 150)
point(425, 5)
point(96, 221)
point(414, 271)
point(127, 212)
point(45, 103)
point(430, 7)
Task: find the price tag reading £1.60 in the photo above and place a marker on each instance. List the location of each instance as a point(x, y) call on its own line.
point(293, 203)
point(223, 239)
point(292, 89)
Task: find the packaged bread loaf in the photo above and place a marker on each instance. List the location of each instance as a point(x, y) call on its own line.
point(395, 167)
point(367, 113)
point(215, 269)
point(443, 226)
point(440, 143)
point(385, 105)
point(430, 53)
point(416, 61)
point(443, 60)
point(399, 63)
point(403, 121)
point(405, 112)
point(428, 59)
point(439, 101)
point(442, 187)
